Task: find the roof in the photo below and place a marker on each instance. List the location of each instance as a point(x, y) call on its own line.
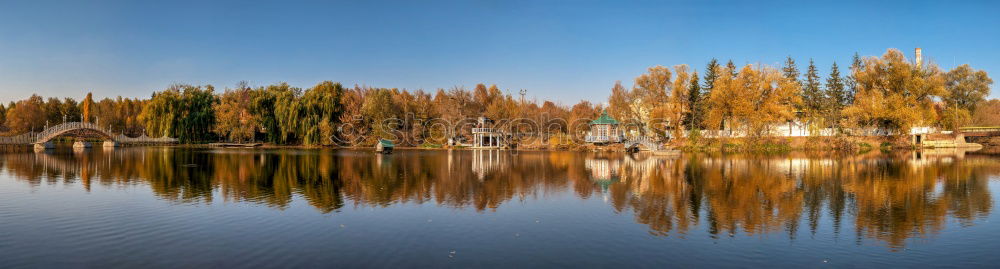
point(385, 143)
point(604, 119)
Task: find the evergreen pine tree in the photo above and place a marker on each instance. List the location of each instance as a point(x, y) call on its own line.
point(732, 68)
point(710, 76)
point(836, 89)
point(790, 71)
point(812, 93)
point(852, 81)
point(837, 95)
point(695, 103)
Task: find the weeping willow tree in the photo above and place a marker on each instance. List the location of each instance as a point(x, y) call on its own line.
point(181, 111)
point(160, 114)
point(319, 110)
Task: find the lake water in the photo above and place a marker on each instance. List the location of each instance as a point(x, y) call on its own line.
point(182, 208)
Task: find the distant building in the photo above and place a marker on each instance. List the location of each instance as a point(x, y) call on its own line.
point(384, 146)
point(484, 136)
point(604, 129)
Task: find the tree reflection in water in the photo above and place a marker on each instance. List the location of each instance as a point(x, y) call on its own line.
point(888, 197)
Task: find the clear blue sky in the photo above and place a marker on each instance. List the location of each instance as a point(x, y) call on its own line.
point(560, 50)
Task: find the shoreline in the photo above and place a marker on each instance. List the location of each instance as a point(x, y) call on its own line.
point(846, 145)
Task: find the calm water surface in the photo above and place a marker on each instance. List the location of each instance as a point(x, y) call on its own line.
point(181, 208)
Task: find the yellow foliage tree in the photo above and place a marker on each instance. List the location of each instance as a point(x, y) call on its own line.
point(87, 107)
point(894, 95)
point(753, 101)
point(232, 115)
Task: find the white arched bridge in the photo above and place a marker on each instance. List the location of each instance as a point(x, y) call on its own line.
point(83, 130)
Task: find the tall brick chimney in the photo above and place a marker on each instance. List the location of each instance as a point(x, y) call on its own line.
point(920, 58)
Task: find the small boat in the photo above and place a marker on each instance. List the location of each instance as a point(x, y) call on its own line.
point(384, 146)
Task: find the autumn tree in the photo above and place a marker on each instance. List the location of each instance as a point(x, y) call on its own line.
point(724, 100)
point(86, 107)
point(456, 106)
point(967, 87)
point(128, 114)
point(104, 113)
point(233, 117)
point(26, 115)
point(580, 116)
point(481, 97)
point(498, 106)
point(623, 105)
point(352, 130)
point(3, 116)
point(553, 119)
point(753, 101)
point(987, 113)
point(378, 109)
point(653, 91)
point(894, 94)
point(119, 115)
point(678, 102)
point(421, 115)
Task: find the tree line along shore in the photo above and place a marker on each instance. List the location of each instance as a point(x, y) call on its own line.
point(887, 92)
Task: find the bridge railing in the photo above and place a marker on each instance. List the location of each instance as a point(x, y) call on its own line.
point(980, 129)
point(144, 139)
point(56, 130)
point(59, 129)
point(649, 142)
point(21, 139)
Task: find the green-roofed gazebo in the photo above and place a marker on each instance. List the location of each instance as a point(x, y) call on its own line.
point(604, 130)
point(604, 119)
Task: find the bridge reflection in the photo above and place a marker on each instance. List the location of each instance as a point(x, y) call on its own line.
point(886, 197)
